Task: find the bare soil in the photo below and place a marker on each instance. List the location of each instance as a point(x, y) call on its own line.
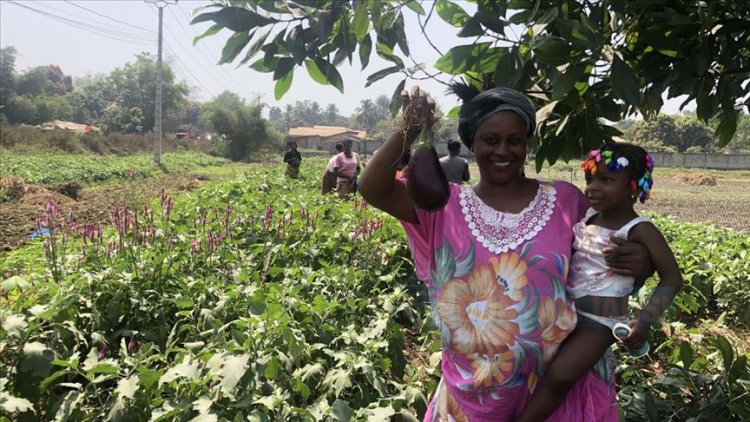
point(93, 206)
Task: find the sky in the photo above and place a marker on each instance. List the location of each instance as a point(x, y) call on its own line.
point(94, 37)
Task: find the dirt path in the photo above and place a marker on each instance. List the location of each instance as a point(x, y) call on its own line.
point(95, 205)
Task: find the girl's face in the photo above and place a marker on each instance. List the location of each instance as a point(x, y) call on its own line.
point(500, 147)
point(608, 190)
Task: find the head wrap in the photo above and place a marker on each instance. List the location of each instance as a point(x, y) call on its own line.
point(489, 102)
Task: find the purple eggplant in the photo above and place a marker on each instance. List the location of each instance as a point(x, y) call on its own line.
point(426, 180)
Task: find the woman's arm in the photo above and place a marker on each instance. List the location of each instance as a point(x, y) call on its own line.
point(670, 281)
point(378, 185)
point(630, 259)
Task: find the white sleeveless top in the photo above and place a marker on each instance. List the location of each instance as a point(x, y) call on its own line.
point(589, 273)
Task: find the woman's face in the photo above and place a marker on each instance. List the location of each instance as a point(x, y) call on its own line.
point(347, 147)
point(500, 147)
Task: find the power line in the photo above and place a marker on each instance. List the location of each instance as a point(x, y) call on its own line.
point(185, 67)
point(82, 26)
point(152, 32)
point(192, 59)
point(103, 29)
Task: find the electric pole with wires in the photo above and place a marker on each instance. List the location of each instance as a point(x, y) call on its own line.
point(160, 4)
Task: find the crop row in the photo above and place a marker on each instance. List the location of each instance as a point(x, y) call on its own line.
point(262, 300)
point(88, 169)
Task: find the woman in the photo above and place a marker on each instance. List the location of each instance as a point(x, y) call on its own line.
point(495, 260)
point(346, 169)
point(293, 159)
point(328, 184)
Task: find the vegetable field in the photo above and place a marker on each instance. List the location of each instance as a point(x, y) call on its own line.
point(258, 299)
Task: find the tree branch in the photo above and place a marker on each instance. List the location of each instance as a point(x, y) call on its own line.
point(424, 32)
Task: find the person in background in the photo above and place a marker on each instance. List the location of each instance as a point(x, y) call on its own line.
point(293, 159)
point(329, 177)
point(456, 169)
point(346, 169)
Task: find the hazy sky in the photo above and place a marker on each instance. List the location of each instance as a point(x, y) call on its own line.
point(90, 37)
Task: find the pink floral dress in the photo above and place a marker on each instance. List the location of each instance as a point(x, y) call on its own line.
point(497, 287)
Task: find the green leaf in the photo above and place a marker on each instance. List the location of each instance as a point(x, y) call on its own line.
point(127, 387)
point(509, 70)
point(473, 28)
point(67, 406)
point(387, 53)
point(235, 18)
point(255, 47)
point(453, 113)
point(341, 411)
point(295, 43)
point(331, 74)
point(186, 369)
point(564, 82)
point(265, 66)
point(283, 67)
point(361, 23)
point(380, 74)
point(415, 6)
point(184, 302)
point(727, 127)
point(233, 368)
point(396, 100)
point(234, 46)
point(213, 30)
point(553, 52)
point(315, 73)
point(461, 58)
point(15, 282)
point(15, 325)
point(11, 404)
point(686, 355)
point(624, 83)
point(283, 85)
point(727, 353)
point(451, 13)
point(365, 48)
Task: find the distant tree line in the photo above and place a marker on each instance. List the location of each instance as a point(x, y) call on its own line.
point(684, 133)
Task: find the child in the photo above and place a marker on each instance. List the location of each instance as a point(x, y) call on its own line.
point(616, 176)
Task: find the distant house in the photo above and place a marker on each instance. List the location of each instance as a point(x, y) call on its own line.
point(324, 137)
point(75, 127)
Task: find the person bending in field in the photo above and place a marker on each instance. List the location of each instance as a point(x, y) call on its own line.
point(329, 177)
point(293, 160)
point(616, 176)
point(346, 169)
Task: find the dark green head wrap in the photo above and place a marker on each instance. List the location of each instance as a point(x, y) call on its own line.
point(475, 110)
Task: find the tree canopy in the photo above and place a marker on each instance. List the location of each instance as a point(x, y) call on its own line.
point(581, 62)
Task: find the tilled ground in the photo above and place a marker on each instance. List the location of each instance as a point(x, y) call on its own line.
point(95, 205)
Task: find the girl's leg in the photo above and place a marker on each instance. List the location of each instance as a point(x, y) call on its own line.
point(578, 354)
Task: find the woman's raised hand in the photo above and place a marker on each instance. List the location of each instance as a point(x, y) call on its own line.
point(417, 112)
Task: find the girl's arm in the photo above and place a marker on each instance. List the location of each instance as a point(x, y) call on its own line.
point(670, 281)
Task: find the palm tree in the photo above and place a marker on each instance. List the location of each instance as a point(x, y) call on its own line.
point(366, 115)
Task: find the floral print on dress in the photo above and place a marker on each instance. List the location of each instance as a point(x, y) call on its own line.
point(480, 316)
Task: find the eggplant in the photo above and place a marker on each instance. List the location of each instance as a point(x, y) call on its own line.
point(426, 180)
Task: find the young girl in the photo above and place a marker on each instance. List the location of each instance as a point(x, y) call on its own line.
point(616, 176)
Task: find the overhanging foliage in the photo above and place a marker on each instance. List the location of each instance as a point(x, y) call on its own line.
point(582, 62)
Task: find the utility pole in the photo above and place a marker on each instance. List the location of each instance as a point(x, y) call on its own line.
point(160, 4)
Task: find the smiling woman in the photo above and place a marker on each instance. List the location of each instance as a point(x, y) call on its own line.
point(495, 260)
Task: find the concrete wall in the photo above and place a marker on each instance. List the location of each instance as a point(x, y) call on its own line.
point(706, 161)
